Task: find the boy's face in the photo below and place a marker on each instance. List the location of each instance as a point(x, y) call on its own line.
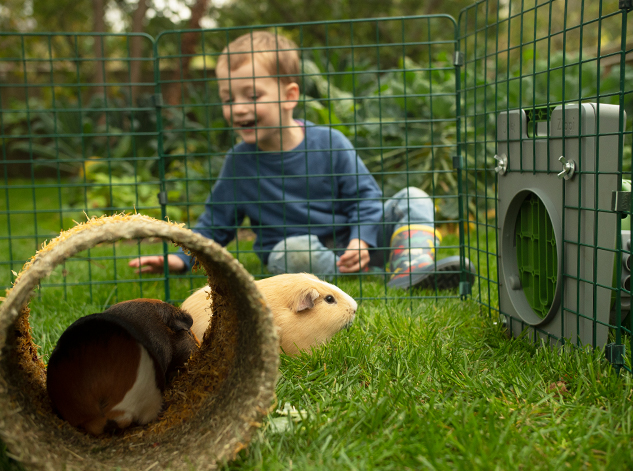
point(257, 105)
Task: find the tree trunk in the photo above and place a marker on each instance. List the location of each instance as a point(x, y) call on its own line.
point(188, 44)
point(136, 49)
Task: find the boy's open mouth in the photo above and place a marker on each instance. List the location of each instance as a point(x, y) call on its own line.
point(246, 124)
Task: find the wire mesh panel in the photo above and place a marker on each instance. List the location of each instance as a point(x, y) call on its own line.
point(343, 145)
point(546, 134)
point(380, 89)
point(78, 138)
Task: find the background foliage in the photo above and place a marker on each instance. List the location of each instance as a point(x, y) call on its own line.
point(78, 133)
point(397, 103)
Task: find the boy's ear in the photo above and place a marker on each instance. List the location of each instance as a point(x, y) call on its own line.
point(292, 96)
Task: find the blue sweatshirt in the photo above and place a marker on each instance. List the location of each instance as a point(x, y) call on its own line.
point(321, 187)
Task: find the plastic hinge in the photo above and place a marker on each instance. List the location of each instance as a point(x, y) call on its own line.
point(464, 288)
point(457, 162)
point(162, 198)
point(621, 201)
point(615, 353)
point(157, 100)
point(458, 59)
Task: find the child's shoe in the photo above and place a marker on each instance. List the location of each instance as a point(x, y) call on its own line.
point(412, 260)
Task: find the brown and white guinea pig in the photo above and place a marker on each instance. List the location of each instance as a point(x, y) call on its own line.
point(109, 369)
point(306, 311)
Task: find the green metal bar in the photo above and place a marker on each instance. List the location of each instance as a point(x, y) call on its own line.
point(6, 195)
point(381, 150)
point(621, 128)
point(58, 175)
point(134, 148)
point(496, 186)
point(460, 152)
point(161, 163)
point(597, 163)
point(487, 183)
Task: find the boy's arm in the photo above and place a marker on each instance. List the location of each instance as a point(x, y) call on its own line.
point(361, 202)
point(214, 223)
point(156, 264)
point(220, 218)
point(355, 258)
point(361, 198)
point(218, 222)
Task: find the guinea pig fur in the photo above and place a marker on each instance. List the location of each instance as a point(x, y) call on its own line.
point(108, 370)
point(306, 310)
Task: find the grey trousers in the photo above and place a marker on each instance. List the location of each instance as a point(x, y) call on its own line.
point(306, 253)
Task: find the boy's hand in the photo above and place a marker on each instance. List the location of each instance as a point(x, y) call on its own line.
point(155, 264)
point(355, 258)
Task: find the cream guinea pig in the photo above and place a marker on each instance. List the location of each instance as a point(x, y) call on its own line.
point(108, 370)
point(306, 310)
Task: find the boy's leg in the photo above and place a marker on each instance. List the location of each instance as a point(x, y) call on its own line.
point(408, 206)
point(304, 253)
point(410, 230)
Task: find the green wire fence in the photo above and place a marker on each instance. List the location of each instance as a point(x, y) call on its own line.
point(546, 101)
point(394, 98)
point(464, 109)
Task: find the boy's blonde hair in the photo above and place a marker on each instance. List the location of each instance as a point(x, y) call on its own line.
point(277, 54)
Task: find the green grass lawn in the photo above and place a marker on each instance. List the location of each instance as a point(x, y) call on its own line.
point(415, 383)
point(440, 387)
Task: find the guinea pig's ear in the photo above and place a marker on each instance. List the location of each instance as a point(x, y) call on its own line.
point(176, 319)
point(305, 299)
point(181, 323)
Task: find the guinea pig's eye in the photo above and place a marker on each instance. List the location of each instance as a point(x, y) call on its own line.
point(330, 299)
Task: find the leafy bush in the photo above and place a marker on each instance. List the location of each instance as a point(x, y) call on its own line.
point(402, 121)
point(111, 152)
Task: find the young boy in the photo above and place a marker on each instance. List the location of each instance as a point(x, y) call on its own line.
point(311, 201)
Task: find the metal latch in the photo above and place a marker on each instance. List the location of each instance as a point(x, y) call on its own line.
point(615, 353)
point(157, 100)
point(621, 201)
point(458, 163)
point(458, 59)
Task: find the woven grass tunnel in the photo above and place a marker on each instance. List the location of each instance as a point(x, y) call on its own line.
point(210, 411)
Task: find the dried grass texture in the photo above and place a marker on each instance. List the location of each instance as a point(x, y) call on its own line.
point(211, 410)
